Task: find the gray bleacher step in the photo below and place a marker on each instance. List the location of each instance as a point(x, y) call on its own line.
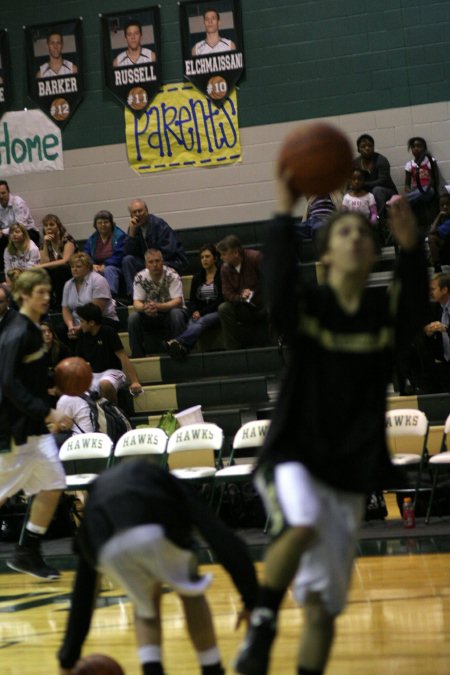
point(162, 368)
point(229, 391)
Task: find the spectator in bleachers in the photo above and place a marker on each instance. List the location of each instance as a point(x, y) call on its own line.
point(242, 314)
point(106, 248)
point(434, 347)
point(56, 251)
point(14, 209)
point(358, 198)
point(421, 173)
point(378, 170)
point(318, 208)
point(21, 252)
point(86, 286)
point(159, 303)
point(102, 347)
point(148, 231)
point(56, 352)
point(439, 234)
point(11, 277)
point(79, 412)
point(6, 312)
point(204, 301)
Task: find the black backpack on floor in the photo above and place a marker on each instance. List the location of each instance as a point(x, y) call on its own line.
point(106, 417)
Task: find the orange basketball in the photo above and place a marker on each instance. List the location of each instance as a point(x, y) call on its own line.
point(73, 376)
point(317, 157)
point(97, 664)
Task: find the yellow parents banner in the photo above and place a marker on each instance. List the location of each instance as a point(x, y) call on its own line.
point(182, 128)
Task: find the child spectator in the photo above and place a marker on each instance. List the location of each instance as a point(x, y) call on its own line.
point(421, 173)
point(358, 198)
point(21, 252)
point(439, 234)
point(318, 208)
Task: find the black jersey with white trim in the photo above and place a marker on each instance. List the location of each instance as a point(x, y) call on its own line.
point(23, 382)
point(330, 414)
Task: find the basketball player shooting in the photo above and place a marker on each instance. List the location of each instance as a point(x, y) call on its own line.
point(326, 448)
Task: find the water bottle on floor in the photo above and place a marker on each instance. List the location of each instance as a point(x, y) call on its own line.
point(409, 517)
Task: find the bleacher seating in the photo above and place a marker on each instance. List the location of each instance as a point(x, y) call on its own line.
point(239, 386)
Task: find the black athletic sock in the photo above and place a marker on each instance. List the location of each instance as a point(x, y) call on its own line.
point(31, 540)
point(270, 598)
point(152, 668)
point(308, 671)
point(214, 669)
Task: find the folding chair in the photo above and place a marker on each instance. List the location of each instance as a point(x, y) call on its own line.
point(148, 442)
point(406, 428)
point(249, 437)
point(436, 462)
point(194, 453)
point(84, 456)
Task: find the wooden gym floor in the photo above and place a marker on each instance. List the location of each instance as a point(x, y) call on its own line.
point(397, 619)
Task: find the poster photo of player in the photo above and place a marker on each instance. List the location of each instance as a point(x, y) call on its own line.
point(212, 44)
point(54, 60)
point(132, 48)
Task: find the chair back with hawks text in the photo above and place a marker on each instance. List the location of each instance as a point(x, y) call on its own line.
point(439, 461)
point(248, 438)
point(145, 442)
point(84, 456)
point(407, 434)
point(194, 451)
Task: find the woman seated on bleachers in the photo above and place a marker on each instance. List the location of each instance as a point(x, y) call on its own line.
point(56, 250)
point(85, 286)
point(106, 248)
point(21, 252)
point(205, 298)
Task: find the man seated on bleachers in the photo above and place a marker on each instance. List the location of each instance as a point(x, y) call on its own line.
point(149, 231)
point(159, 303)
point(434, 344)
point(242, 316)
point(101, 346)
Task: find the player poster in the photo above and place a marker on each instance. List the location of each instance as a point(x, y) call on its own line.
point(55, 68)
point(212, 44)
point(5, 73)
point(132, 56)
